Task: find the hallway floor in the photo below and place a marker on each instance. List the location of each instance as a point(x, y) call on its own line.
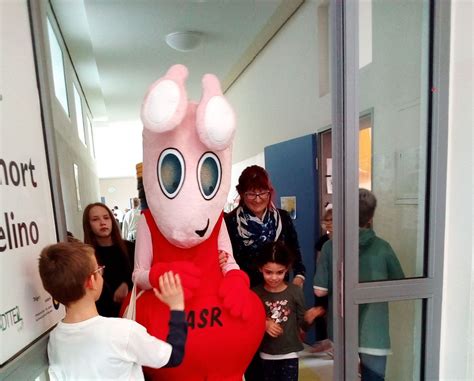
point(315, 366)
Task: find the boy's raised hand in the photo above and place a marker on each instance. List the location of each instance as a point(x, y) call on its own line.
point(170, 291)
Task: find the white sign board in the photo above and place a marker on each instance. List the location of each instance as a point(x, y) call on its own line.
point(26, 212)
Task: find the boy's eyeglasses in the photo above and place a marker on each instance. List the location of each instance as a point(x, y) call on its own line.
point(253, 196)
point(99, 270)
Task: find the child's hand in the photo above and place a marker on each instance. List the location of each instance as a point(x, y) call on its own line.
point(273, 329)
point(171, 291)
point(121, 293)
point(189, 273)
point(298, 281)
point(223, 257)
point(313, 313)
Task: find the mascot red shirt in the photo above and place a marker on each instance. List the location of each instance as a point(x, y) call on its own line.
point(186, 175)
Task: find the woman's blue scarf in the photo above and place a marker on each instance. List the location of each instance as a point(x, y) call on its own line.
point(255, 232)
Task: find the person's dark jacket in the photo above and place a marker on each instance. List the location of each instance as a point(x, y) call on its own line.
point(118, 269)
point(246, 257)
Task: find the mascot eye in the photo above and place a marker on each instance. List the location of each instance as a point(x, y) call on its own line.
point(209, 175)
point(170, 172)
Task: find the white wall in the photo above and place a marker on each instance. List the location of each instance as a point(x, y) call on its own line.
point(118, 191)
point(277, 98)
point(119, 144)
point(237, 168)
point(70, 149)
point(457, 348)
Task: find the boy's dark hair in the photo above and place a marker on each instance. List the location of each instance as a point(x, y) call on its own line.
point(276, 252)
point(64, 269)
point(367, 205)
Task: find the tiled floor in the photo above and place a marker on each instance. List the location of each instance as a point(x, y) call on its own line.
point(315, 366)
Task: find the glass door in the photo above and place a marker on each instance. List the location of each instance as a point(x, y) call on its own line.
point(388, 232)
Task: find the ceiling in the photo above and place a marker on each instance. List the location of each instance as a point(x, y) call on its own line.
point(118, 49)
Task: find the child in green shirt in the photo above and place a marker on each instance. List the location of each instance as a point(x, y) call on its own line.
point(377, 262)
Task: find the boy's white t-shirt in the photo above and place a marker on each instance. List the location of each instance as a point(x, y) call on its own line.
point(104, 348)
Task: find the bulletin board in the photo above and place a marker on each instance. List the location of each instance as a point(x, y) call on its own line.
point(27, 221)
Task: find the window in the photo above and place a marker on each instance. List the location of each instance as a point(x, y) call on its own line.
point(76, 183)
point(79, 118)
point(57, 65)
point(90, 137)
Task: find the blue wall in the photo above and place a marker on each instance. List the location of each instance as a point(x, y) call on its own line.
point(292, 169)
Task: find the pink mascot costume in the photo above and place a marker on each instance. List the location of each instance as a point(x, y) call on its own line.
point(186, 175)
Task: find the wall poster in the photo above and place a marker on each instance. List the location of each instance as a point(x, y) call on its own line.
point(288, 203)
point(27, 222)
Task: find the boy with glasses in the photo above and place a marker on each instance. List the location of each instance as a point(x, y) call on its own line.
point(85, 345)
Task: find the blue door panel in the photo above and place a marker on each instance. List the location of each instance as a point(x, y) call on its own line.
point(292, 169)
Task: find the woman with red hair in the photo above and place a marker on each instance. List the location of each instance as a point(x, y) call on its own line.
point(255, 222)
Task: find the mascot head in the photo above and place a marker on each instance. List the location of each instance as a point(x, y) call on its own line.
point(186, 156)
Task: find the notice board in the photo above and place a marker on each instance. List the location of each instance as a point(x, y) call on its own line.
point(27, 221)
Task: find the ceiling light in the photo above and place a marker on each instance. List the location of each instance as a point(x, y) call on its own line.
point(184, 41)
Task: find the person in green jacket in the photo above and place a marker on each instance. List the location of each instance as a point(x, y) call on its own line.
point(377, 262)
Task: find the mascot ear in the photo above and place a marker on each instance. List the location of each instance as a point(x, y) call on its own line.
point(166, 101)
point(215, 118)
